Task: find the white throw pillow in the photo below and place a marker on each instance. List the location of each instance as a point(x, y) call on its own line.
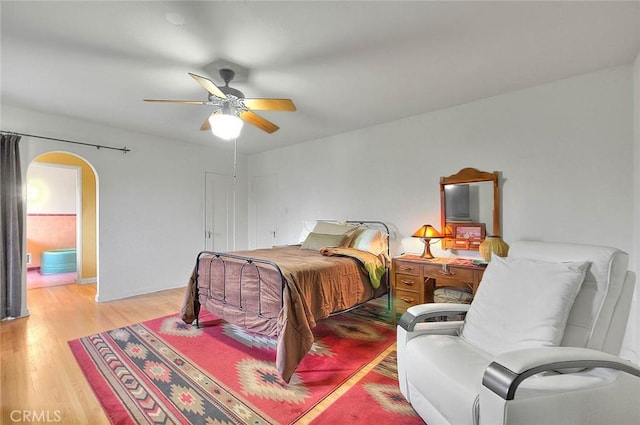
point(325, 227)
point(317, 241)
point(522, 303)
point(371, 240)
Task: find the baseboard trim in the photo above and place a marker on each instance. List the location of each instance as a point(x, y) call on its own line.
point(88, 280)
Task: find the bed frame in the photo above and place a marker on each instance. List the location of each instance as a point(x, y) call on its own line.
point(251, 263)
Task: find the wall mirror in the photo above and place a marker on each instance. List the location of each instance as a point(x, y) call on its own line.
point(469, 208)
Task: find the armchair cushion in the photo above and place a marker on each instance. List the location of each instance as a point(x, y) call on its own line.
point(522, 303)
point(453, 386)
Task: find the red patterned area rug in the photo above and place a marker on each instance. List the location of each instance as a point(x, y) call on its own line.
point(375, 398)
point(163, 371)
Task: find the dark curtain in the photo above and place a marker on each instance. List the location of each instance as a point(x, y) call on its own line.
point(11, 226)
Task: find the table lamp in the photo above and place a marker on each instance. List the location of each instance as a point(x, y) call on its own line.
point(427, 232)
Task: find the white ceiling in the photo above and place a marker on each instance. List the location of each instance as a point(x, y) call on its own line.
point(346, 65)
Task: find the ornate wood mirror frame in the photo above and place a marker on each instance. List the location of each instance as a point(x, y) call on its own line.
point(468, 231)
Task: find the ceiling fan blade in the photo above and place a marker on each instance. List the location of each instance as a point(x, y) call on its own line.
point(189, 102)
point(258, 121)
point(270, 104)
point(206, 125)
point(209, 86)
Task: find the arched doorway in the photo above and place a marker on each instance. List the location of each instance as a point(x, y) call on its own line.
point(48, 227)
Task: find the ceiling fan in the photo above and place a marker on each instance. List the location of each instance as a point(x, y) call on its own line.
point(230, 102)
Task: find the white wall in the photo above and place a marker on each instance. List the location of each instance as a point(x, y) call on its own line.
point(51, 190)
point(150, 200)
point(565, 151)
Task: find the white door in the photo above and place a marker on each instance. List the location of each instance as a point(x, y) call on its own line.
point(264, 196)
point(219, 212)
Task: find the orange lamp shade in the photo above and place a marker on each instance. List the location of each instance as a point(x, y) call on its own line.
point(427, 231)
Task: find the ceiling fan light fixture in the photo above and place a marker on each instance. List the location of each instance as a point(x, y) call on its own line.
point(225, 126)
point(232, 108)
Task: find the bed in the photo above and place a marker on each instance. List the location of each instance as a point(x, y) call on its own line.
point(283, 291)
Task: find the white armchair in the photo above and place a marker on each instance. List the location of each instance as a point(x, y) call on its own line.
point(539, 344)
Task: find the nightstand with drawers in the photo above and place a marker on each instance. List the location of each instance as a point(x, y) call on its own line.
point(414, 279)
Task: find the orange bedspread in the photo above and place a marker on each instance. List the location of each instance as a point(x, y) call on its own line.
point(314, 287)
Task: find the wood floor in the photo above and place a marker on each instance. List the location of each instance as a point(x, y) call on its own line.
point(40, 378)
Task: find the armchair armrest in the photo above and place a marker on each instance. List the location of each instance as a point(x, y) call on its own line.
point(504, 375)
point(422, 312)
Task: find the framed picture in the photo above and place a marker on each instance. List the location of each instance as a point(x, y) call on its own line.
point(468, 230)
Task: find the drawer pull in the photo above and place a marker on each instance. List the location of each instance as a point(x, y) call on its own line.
point(407, 300)
point(446, 273)
point(407, 268)
point(407, 282)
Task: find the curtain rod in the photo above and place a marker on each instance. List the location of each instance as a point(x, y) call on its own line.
point(124, 149)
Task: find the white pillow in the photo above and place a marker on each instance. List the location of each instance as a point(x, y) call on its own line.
point(372, 240)
point(522, 303)
point(307, 227)
point(333, 228)
point(324, 227)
